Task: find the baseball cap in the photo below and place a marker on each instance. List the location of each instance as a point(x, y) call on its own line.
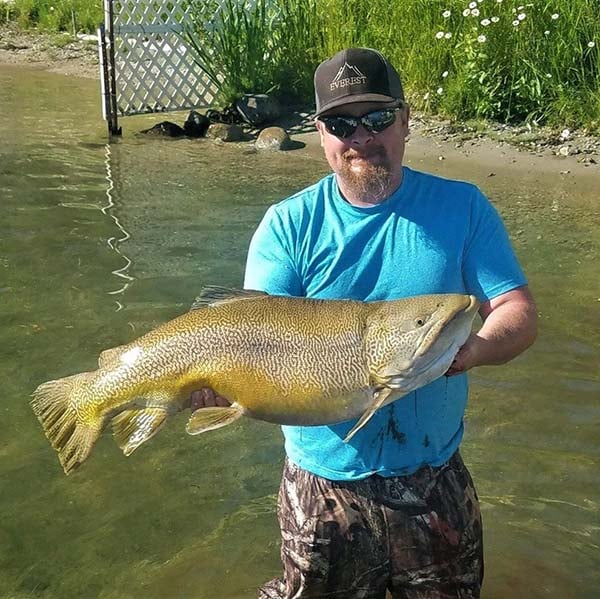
point(356, 75)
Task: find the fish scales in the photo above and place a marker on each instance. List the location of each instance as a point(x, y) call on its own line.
point(279, 359)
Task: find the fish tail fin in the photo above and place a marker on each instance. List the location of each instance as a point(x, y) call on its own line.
point(54, 405)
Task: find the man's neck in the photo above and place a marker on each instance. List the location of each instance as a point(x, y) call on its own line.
point(365, 198)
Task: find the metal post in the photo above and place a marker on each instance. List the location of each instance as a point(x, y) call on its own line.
point(104, 81)
point(113, 124)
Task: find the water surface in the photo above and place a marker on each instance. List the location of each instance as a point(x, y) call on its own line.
point(100, 243)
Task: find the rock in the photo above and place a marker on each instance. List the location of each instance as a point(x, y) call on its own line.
point(257, 109)
point(564, 151)
point(196, 124)
point(273, 138)
point(225, 132)
point(165, 129)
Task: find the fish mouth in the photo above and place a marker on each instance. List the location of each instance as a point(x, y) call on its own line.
point(466, 310)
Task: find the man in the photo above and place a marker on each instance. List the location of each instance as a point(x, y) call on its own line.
point(394, 509)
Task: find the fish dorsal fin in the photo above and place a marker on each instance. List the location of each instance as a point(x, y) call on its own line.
point(109, 356)
point(214, 295)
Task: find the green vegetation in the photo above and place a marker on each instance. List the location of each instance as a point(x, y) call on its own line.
point(506, 60)
point(54, 15)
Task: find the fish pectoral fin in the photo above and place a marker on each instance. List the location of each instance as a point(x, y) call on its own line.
point(133, 427)
point(208, 419)
point(380, 398)
point(388, 381)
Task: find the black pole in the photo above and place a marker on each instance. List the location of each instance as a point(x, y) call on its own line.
point(105, 79)
point(114, 128)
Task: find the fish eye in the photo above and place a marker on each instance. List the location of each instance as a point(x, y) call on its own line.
point(420, 322)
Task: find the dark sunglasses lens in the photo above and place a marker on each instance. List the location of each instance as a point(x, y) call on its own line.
point(379, 120)
point(340, 126)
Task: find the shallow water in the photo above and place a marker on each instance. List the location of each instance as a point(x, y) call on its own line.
point(100, 243)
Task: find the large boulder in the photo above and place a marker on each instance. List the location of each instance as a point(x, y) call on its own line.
point(273, 138)
point(258, 109)
point(225, 132)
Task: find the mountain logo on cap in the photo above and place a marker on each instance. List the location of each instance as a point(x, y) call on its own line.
point(348, 75)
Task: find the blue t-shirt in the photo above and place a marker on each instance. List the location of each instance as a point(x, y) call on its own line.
point(433, 235)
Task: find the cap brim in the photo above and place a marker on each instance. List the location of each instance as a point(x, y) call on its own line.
point(355, 98)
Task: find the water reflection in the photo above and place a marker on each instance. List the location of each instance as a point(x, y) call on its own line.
point(114, 243)
point(99, 244)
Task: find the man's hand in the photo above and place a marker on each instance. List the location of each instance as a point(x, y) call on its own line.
point(207, 398)
point(464, 359)
point(509, 328)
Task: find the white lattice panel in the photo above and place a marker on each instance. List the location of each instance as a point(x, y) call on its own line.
point(154, 69)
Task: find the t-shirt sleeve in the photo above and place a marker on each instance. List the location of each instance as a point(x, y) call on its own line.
point(490, 266)
point(270, 264)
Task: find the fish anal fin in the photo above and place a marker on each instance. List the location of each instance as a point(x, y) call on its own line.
point(134, 426)
point(214, 295)
point(208, 419)
point(109, 356)
point(380, 397)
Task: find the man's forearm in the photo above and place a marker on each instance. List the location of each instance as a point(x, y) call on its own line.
point(508, 331)
point(509, 328)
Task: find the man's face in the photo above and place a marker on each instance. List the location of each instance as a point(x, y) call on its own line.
point(368, 165)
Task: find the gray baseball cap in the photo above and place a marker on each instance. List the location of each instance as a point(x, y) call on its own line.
point(356, 75)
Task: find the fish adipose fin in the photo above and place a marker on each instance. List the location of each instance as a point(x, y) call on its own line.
point(54, 403)
point(214, 295)
point(133, 427)
point(208, 419)
point(380, 398)
point(109, 356)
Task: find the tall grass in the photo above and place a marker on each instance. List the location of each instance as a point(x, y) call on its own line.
point(57, 15)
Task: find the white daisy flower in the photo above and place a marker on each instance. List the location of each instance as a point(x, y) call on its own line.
point(446, 14)
point(481, 39)
point(485, 22)
point(445, 74)
point(472, 4)
point(440, 91)
point(521, 16)
point(466, 12)
point(591, 44)
point(516, 23)
point(448, 35)
point(495, 19)
point(439, 35)
point(475, 12)
point(554, 16)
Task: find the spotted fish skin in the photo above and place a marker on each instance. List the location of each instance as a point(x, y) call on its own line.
point(279, 359)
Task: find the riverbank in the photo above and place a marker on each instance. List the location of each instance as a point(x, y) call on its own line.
point(78, 56)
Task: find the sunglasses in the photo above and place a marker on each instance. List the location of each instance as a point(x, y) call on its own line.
point(374, 122)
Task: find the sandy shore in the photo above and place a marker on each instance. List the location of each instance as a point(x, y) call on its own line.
point(561, 152)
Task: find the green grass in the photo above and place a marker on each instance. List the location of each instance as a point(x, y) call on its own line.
point(543, 70)
point(58, 15)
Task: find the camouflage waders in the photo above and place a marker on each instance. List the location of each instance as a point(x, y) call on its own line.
point(418, 536)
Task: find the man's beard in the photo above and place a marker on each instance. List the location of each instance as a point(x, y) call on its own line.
point(371, 182)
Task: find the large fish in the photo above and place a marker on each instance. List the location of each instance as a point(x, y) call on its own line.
point(281, 359)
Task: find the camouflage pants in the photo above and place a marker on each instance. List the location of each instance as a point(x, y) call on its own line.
point(416, 536)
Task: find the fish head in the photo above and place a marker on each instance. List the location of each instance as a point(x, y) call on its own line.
point(415, 339)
